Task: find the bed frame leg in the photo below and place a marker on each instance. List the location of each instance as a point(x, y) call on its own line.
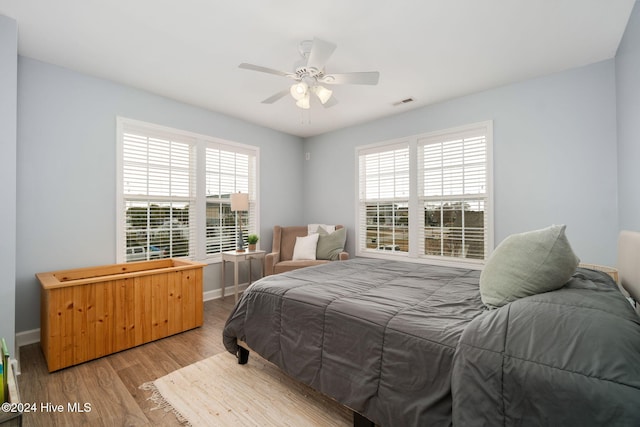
point(243, 355)
point(361, 421)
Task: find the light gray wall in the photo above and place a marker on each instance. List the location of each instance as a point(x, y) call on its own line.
point(628, 112)
point(66, 171)
point(8, 123)
point(554, 157)
point(554, 143)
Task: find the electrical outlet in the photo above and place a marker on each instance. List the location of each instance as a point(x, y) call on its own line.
point(307, 156)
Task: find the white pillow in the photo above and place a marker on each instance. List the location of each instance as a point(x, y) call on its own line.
point(305, 247)
point(313, 228)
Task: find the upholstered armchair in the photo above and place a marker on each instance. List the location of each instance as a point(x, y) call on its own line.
point(281, 258)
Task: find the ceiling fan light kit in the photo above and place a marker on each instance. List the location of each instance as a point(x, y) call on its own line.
point(299, 90)
point(308, 76)
point(304, 103)
point(322, 93)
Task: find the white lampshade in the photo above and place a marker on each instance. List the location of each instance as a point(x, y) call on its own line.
point(323, 93)
point(304, 102)
point(299, 90)
point(239, 202)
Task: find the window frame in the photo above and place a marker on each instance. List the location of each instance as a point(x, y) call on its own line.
point(200, 143)
point(415, 209)
point(388, 201)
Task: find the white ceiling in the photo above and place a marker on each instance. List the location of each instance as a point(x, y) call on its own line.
point(429, 50)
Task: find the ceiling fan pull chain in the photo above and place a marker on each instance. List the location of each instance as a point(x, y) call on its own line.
point(305, 117)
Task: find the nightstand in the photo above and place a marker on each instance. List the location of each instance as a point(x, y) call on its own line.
point(236, 257)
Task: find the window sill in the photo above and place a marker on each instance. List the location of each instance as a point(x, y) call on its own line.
point(432, 260)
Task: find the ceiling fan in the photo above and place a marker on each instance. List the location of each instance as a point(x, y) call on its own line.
point(310, 75)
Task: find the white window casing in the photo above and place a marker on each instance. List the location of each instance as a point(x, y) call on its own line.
point(173, 192)
point(427, 198)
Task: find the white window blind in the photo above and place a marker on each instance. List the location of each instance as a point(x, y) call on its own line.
point(384, 198)
point(174, 189)
point(228, 172)
point(453, 193)
point(427, 197)
point(159, 195)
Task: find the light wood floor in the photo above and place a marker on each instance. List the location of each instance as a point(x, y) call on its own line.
point(110, 384)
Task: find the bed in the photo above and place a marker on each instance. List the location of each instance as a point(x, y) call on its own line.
point(406, 344)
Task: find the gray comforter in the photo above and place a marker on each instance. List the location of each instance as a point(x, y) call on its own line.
point(386, 339)
point(565, 358)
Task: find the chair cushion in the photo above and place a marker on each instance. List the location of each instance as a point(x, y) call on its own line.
point(314, 228)
point(283, 266)
point(331, 244)
point(288, 240)
point(305, 247)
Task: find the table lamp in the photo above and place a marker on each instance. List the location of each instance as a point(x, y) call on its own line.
point(239, 203)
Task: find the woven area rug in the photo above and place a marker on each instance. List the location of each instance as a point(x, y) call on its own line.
point(219, 392)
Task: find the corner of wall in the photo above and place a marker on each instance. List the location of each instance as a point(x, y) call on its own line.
point(8, 174)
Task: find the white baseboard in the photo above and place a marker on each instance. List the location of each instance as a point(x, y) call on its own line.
point(27, 337)
point(33, 336)
point(228, 291)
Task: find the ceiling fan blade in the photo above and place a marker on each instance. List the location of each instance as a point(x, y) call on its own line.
point(358, 78)
point(266, 70)
point(277, 96)
point(320, 54)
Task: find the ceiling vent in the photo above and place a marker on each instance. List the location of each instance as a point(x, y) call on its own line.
point(404, 101)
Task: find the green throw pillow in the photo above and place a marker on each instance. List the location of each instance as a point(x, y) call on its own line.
point(527, 264)
point(330, 244)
